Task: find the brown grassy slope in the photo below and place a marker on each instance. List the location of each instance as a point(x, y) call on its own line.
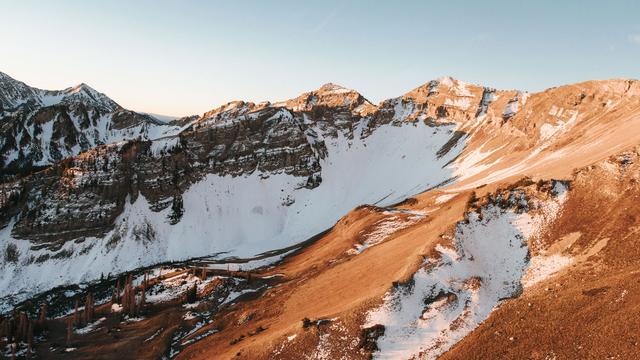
point(591, 310)
point(607, 119)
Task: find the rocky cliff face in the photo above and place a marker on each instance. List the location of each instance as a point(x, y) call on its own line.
point(243, 178)
point(40, 127)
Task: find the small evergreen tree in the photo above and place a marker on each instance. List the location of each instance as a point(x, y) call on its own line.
point(177, 210)
point(192, 294)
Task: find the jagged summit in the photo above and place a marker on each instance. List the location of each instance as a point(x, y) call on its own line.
point(444, 99)
point(230, 110)
point(14, 93)
point(333, 96)
point(85, 93)
point(329, 96)
point(82, 88)
point(333, 88)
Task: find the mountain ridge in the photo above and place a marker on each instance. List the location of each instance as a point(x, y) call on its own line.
point(303, 142)
point(23, 93)
point(427, 213)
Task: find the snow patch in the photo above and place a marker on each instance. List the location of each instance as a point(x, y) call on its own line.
point(549, 131)
point(444, 198)
point(452, 294)
point(460, 290)
point(90, 327)
point(543, 267)
point(473, 163)
point(462, 104)
point(164, 145)
point(446, 81)
point(175, 286)
point(383, 229)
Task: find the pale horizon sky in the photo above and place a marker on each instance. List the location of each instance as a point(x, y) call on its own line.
point(187, 57)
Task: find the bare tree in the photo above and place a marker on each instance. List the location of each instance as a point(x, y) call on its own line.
point(76, 314)
point(29, 340)
point(69, 331)
point(42, 316)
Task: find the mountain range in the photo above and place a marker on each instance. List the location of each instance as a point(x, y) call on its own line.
point(428, 225)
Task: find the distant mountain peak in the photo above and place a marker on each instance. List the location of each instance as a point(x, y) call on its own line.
point(41, 127)
point(80, 87)
point(331, 95)
point(334, 88)
point(14, 93)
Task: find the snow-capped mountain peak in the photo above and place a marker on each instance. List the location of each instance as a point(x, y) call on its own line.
point(82, 93)
point(40, 127)
point(14, 93)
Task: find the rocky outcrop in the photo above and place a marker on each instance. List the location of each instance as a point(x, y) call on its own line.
point(82, 196)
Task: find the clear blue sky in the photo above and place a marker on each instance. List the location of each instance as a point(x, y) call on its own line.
point(186, 57)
